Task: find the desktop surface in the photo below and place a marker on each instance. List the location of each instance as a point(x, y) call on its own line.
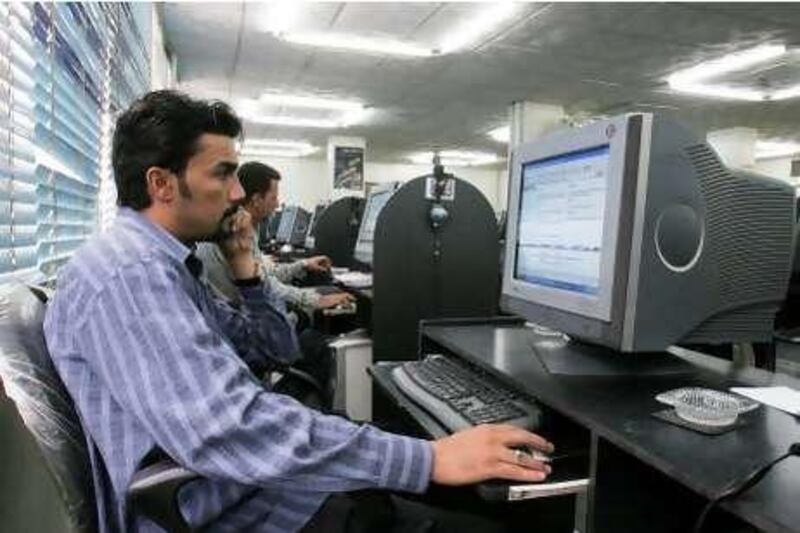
point(618, 408)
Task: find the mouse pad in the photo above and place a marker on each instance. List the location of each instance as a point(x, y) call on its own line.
point(669, 415)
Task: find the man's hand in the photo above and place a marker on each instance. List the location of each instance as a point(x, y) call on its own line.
point(237, 246)
point(332, 300)
point(485, 452)
point(318, 263)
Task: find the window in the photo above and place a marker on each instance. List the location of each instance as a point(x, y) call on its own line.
point(65, 69)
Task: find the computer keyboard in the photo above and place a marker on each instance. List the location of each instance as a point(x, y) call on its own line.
point(460, 397)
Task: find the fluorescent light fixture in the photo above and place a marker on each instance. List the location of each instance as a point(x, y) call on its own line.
point(272, 152)
point(694, 80)
point(309, 102)
point(720, 91)
point(772, 149)
point(455, 158)
point(728, 63)
point(358, 44)
point(466, 34)
point(276, 143)
point(785, 94)
point(501, 134)
point(281, 16)
point(485, 21)
point(349, 112)
point(259, 148)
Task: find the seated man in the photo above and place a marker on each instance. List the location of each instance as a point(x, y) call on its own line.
point(155, 362)
point(260, 184)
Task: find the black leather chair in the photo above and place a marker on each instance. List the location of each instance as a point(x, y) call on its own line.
point(46, 478)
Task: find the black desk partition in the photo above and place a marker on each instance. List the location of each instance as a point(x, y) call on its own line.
point(420, 272)
point(336, 231)
point(648, 475)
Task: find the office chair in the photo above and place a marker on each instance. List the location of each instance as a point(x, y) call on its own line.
point(40, 428)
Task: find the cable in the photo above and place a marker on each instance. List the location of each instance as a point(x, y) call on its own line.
point(740, 486)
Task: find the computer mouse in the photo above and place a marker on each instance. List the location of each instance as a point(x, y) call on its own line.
point(534, 454)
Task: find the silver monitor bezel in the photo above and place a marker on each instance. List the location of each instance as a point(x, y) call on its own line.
point(611, 132)
point(363, 249)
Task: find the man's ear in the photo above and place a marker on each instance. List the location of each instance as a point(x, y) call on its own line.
point(160, 185)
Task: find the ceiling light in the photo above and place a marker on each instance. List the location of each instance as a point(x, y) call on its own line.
point(455, 158)
point(785, 94)
point(719, 91)
point(310, 102)
point(276, 143)
point(256, 148)
point(771, 149)
point(273, 152)
point(281, 16)
point(501, 134)
point(728, 63)
point(279, 147)
point(476, 27)
point(358, 44)
point(463, 36)
point(262, 111)
point(694, 80)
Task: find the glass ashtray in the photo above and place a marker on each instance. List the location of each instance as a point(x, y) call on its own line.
point(708, 408)
point(671, 397)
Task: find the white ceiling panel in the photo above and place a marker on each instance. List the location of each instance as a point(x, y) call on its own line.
point(592, 58)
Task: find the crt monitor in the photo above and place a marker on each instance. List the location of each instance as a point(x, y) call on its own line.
point(377, 199)
point(314, 218)
point(300, 227)
point(630, 233)
point(294, 225)
point(284, 233)
point(268, 230)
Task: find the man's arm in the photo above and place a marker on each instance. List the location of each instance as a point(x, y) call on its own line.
point(150, 344)
point(285, 272)
point(307, 299)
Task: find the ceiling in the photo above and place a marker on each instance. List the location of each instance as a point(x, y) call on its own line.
point(591, 58)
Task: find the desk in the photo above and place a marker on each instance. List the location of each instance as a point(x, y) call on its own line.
point(648, 475)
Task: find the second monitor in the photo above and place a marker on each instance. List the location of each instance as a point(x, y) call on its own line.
point(378, 197)
point(293, 226)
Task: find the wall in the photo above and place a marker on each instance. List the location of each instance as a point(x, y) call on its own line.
point(306, 181)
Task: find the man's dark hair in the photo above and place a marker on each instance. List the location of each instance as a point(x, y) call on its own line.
point(256, 178)
point(162, 129)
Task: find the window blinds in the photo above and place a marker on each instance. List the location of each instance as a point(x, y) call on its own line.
point(65, 70)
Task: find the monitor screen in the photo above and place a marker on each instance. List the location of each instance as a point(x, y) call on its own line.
point(561, 213)
point(286, 224)
point(374, 207)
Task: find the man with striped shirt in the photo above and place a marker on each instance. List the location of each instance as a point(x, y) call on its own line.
point(154, 361)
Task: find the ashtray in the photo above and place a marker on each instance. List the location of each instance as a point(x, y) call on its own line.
point(707, 407)
point(672, 397)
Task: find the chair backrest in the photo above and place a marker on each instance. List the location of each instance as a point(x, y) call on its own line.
point(44, 406)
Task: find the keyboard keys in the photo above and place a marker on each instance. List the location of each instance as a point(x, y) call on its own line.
point(460, 396)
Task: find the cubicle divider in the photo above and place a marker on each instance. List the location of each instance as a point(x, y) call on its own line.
point(336, 231)
point(426, 266)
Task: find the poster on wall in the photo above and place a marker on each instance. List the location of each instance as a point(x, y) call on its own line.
point(348, 167)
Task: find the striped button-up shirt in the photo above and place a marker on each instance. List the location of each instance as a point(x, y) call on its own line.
point(153, 359)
